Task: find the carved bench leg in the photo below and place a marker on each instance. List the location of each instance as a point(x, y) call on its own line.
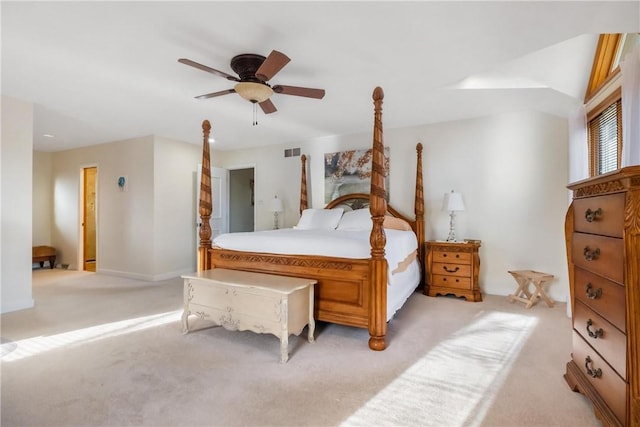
point(284, 348)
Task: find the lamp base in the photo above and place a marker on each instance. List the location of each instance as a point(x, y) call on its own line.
point(452, 227)
point(275, 221)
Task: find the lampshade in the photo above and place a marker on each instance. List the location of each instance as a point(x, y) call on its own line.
point(276, 205)
point(453, 202)
point(254, 92)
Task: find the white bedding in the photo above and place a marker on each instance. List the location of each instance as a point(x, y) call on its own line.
point(337, 243)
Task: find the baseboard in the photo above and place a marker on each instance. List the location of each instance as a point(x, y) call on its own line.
point(145, 277)
point(17, 305)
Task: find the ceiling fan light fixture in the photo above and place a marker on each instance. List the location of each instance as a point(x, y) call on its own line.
point(254, 92)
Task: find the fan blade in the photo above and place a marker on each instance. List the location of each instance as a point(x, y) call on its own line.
point(274, 63)
point(208, 69)
point(299, 91)
point(268, 107)
point(214, 94)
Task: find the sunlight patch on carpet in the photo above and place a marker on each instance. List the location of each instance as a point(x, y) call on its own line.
point(455, 383)
point(12, 351)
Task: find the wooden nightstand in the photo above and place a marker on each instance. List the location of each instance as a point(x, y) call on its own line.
point(452, 268)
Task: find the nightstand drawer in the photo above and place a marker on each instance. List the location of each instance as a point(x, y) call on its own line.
point(451, 282)
point(452, 257)
point(600, 215)
point(460, 270)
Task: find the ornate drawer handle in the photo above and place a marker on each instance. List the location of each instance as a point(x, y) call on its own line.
point(595, 373)
point(591, 216)
point(450, 271)
point(593, 295)
point(594, 334)
point(591, 255)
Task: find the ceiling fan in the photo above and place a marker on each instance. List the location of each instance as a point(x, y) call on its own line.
point(254, 71)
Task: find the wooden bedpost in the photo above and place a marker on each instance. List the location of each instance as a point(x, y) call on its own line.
point(205, 207)
point(418, 206)
point(304, 204)
point(378, 239)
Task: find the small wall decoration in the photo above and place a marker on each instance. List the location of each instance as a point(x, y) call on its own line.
point(122, 183)
point(348, 172)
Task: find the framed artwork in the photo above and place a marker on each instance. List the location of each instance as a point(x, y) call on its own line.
point(348, 172)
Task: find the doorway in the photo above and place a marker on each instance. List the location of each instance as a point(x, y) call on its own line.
point(89, 176)
point(241, 200)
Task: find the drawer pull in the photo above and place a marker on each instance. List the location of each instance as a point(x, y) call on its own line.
point(595, 373)
point(452, 270)
point(593, 295)
point(591, 216)
point(591, 255)
point(594, 334)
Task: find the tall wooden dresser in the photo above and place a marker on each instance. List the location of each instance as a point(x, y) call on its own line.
point(603, 248)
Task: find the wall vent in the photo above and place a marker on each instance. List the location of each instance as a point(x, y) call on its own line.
point(292, 152)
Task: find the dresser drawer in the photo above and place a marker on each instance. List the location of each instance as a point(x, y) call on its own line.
point(601, 295)
point(452, 257)
point(600, 215)
point(611, 388)
point(459, 270)
point(451, 282)
point(600, 255)
point(606, 339)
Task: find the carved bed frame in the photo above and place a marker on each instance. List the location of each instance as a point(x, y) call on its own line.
point(349, 291)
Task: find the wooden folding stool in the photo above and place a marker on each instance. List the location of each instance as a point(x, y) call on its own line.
point(524, 279)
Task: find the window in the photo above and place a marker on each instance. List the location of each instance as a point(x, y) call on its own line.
point(605, 138)
point(605, 119)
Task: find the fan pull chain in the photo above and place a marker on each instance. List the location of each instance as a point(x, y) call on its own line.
point(255, 114)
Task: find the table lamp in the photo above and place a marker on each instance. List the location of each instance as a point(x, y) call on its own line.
point(275, 207)
point(452, 203)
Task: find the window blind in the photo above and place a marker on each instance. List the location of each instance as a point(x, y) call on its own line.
point(604, 130)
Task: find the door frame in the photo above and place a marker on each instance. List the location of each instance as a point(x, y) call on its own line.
point(81, 200)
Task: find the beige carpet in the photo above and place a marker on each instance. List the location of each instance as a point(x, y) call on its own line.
point(99, 350)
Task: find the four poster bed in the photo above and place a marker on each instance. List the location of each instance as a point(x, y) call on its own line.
point(357, 285)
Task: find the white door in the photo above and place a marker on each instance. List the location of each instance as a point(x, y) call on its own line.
point(219, 220)
point(220, 199)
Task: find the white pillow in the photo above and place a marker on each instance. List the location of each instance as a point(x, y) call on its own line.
point(320, 219)
point(360, 219)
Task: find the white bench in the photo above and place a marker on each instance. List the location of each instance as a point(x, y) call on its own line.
point(242, 300)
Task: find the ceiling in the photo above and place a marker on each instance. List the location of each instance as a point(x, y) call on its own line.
point(105, 71)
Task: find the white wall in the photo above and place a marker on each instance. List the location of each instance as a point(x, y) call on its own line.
point(511, 170)
point(144, 232)
point(174, 212)
point(42, 198)
point(16, 163)
point(124, 239)
point(274, 174)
